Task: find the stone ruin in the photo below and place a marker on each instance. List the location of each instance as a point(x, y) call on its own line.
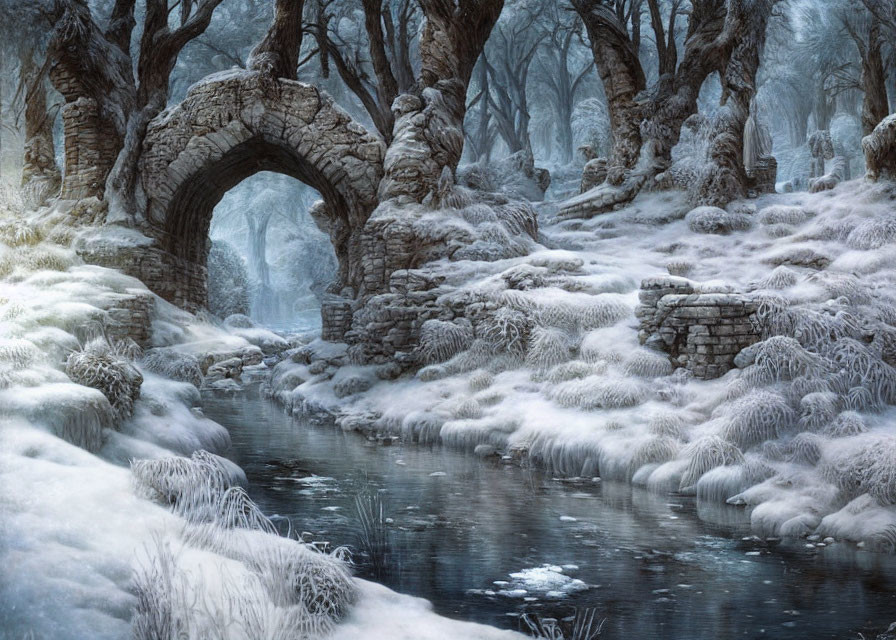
point(702, 332)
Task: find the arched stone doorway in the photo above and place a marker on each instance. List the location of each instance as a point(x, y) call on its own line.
point(232, 126)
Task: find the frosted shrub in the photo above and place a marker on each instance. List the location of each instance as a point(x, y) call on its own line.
point(667, 424)
point(506, 330)
point(848, 423)
point(865, 466)
point(477, 213)
point(432, 372)
point(646, 363)
point(802, 386)
point(519, 217)
point(714, 220)
point(596, 392)
point(318, 585)
point(780, 278)
point(860, 367)
point(654, 450)
point(783, 358)
point(18, 353)
point(16, 231)
point(779, 230)
point(548, 347)
point(817, 410)
point(174, 364)
point(465, 408)
point(97, 366)
point(805, 448)
point(440, 340)
point(705, 454)
point(873, 234)
point(480, 380)
point(758, 416)
point(575, 370)
point(781, 214)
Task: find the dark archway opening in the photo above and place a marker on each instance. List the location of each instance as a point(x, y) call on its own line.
point(188, 220)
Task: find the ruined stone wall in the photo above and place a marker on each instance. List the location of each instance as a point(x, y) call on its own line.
point(700, 331)
point(181, 282)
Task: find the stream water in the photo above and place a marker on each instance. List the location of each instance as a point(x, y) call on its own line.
point(487, 541)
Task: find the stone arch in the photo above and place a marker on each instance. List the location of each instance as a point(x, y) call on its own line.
point(231, 126)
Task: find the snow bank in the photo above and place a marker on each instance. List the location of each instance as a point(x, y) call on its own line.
point(550, 369)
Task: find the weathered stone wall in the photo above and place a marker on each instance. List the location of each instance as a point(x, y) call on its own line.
point(700, 331)
point(181, 282)
point(229, 127)
point(89, 150)
point(89, 145)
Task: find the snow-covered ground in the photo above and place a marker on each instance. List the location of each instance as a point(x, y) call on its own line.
point(111, 525)
point(803, 434)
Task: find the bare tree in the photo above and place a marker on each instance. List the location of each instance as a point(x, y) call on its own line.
point(722, 36)
point(563, 74)
point(97, 64)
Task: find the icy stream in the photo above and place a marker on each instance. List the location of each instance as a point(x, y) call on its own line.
point(486, 541)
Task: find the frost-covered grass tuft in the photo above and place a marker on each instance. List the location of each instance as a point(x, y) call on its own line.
point(548, 347)
point(758, 416)
point(480, 380)
point(598, 392)
point(174, 364)
point(507, 331)
point(669, 424)
point(16, 231)
point(848, 423)
point(873, 234)
point(646, 363)
point(780, 278)
point(781, 214)
point(713, 220)
point(654, 450)
point(37, 258)
point(818, 410)
point(705, 454)
point(18, 353)
point(783, 358)
point(374, 538)
point(98, 366)
point(161, 611)
point(805, 448)
point(441, 340)
point(573, 370)
point(865, 465)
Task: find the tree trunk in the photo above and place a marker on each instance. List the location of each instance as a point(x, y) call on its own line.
point(623, 79)
point(40, 151)
point(875, 105)
point(278, 53)
point(745, 31)
point(428, 136)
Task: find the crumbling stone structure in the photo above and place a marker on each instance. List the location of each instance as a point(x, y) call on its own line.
point(700, 331)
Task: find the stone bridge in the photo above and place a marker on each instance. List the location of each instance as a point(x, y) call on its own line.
point(229, 127)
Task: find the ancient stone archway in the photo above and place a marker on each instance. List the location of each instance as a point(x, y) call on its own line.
point(229, 127)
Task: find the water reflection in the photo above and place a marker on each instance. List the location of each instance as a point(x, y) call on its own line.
point(657, 566)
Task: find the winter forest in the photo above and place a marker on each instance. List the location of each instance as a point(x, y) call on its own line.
point(447, 319)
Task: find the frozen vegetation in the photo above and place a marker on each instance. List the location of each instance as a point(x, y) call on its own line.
point(116, 505)
point(551, 371)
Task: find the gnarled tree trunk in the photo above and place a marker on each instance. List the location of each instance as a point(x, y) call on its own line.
point(428, 135)
point(744, 40)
